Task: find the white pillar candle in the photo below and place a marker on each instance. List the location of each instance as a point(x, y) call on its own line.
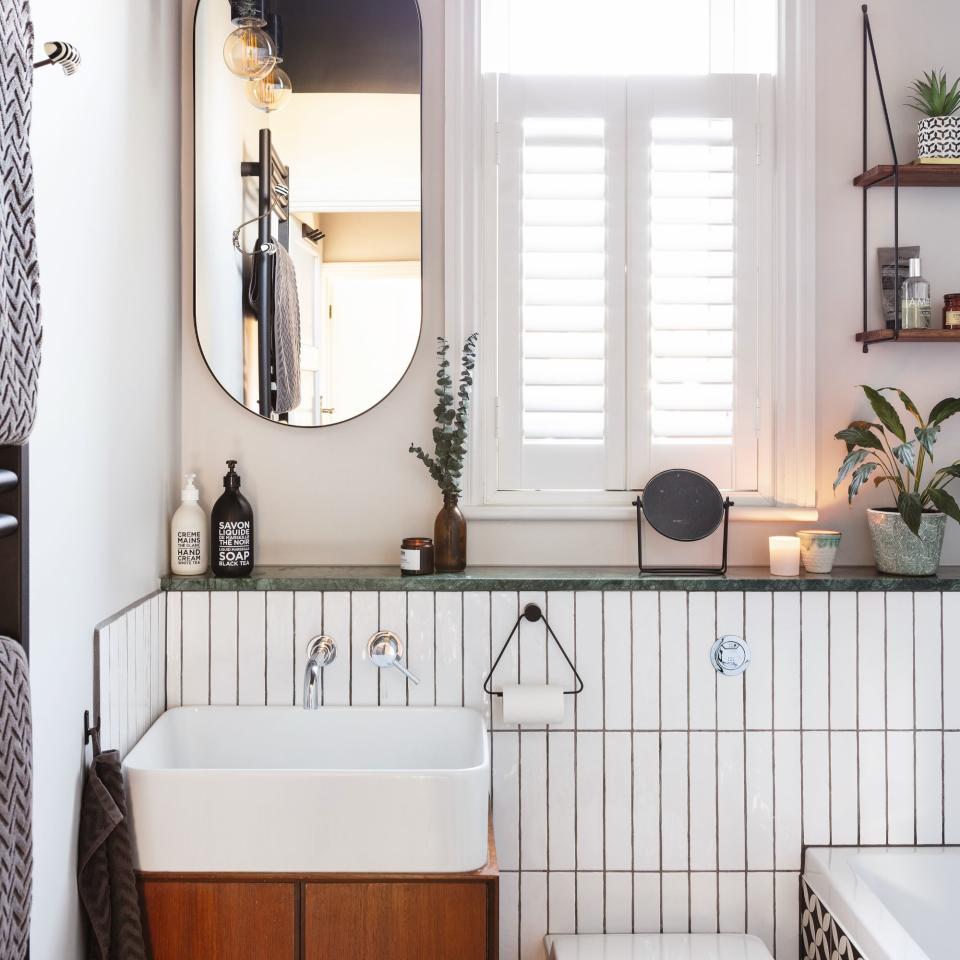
point(785, 556)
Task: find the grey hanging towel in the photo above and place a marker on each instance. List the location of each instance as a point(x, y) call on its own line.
point(19, 284)
point(16, 846)
point(108, 887)
point(286, 331)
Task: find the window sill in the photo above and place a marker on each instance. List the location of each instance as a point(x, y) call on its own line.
point(559, 513)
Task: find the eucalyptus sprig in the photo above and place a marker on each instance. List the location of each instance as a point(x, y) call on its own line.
point(870, 447)
point(450, 433)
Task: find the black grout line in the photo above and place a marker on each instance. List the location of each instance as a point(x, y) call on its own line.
point(716, 765)
point(803, 818)
point(886, 720)
point(633, 826)
point(603, 751)
point(857, 695)
point(773, 745)
point(519, 797)
point(746, 830)
point(660, 743)
point(913, 624)
point(689, 883)
point(943, 738)
point(293, 653)
point(829, 718)
point(237, 645)
point(181, 650)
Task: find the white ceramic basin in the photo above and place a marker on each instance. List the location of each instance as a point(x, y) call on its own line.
point(339, 789)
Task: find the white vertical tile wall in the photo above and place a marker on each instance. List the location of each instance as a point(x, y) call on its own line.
point(129, 672)
point(669, 798)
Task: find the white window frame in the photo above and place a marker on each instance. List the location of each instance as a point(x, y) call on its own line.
point(787, 359)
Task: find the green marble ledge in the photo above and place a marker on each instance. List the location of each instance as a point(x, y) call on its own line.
point(560, 578)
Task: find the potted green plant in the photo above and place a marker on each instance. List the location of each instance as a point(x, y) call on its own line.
point(450, 450)
point(907, 537)
point(938, 133)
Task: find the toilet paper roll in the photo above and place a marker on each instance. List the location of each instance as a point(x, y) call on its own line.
point(532, 703)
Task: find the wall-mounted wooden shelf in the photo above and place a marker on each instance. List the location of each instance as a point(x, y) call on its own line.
point(909, 336)
point(911, 175)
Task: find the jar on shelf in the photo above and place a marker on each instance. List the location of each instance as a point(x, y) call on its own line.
point(951, 311)
point(416, 557)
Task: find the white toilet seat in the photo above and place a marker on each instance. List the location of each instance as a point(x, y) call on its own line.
point(656, 946)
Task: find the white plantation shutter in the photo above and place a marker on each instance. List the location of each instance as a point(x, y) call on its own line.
point(560, 284)
point(633, 216)
point(691, 280)
point(708, 196)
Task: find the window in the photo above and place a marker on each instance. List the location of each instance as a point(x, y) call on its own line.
point(632, 246)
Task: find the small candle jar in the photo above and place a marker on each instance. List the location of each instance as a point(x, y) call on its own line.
point(951, 311)
point(416, 557)
point(785, 556)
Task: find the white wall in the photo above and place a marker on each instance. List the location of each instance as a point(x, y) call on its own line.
point(105, 145)
point(928, 372)
point(347, 494)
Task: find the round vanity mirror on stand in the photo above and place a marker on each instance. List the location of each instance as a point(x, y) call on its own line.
point(307, 245)
point(686, 506)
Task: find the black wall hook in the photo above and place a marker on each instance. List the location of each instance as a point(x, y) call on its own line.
point(531, 613)
point(91, 733)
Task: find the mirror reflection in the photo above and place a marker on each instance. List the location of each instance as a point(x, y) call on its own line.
point(307, 247)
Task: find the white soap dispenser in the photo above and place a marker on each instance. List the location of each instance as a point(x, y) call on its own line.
point(189, 534)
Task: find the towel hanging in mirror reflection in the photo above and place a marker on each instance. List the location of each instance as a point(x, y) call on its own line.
point(267, 248)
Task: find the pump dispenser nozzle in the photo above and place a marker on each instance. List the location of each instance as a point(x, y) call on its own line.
point(231, 480)
point(189, 491)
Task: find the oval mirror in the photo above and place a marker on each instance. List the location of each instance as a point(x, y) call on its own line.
point(307, 248)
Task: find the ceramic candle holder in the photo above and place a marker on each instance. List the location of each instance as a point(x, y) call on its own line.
point(818, 549)
point(785, 556)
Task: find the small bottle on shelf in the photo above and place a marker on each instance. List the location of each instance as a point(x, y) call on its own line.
point(915, 309)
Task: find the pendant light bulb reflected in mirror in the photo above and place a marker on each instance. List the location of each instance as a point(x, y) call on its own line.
point(250, 52)
point(272, 92)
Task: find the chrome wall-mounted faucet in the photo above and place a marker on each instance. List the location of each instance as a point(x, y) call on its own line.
point(386, 650)
point(321, 652)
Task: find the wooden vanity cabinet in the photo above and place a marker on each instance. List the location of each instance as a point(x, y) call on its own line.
point(220, 919)
point(322, 916)
point(398, 920)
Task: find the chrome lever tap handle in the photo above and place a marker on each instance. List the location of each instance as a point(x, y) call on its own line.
point(321, 652)
point(414, 680)
point(386, 650)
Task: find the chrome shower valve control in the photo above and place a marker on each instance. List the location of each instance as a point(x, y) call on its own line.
point(730, 655)
point(321, 652)
point(386, 650)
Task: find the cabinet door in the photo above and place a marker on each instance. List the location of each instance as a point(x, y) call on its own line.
point(395, 921)
point(220, 921)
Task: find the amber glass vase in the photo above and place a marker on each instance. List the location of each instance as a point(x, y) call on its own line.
point(450, 537)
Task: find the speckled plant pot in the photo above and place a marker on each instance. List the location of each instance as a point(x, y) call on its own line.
point(900, 552)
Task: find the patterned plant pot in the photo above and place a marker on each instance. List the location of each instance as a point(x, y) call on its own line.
point(939, 138)
point(898, 551)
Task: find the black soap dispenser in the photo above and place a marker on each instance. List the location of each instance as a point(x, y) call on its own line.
point(232, 529)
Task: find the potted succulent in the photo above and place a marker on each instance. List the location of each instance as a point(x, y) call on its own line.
point(450, 450)
point(938, 133)
point(907, 537)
